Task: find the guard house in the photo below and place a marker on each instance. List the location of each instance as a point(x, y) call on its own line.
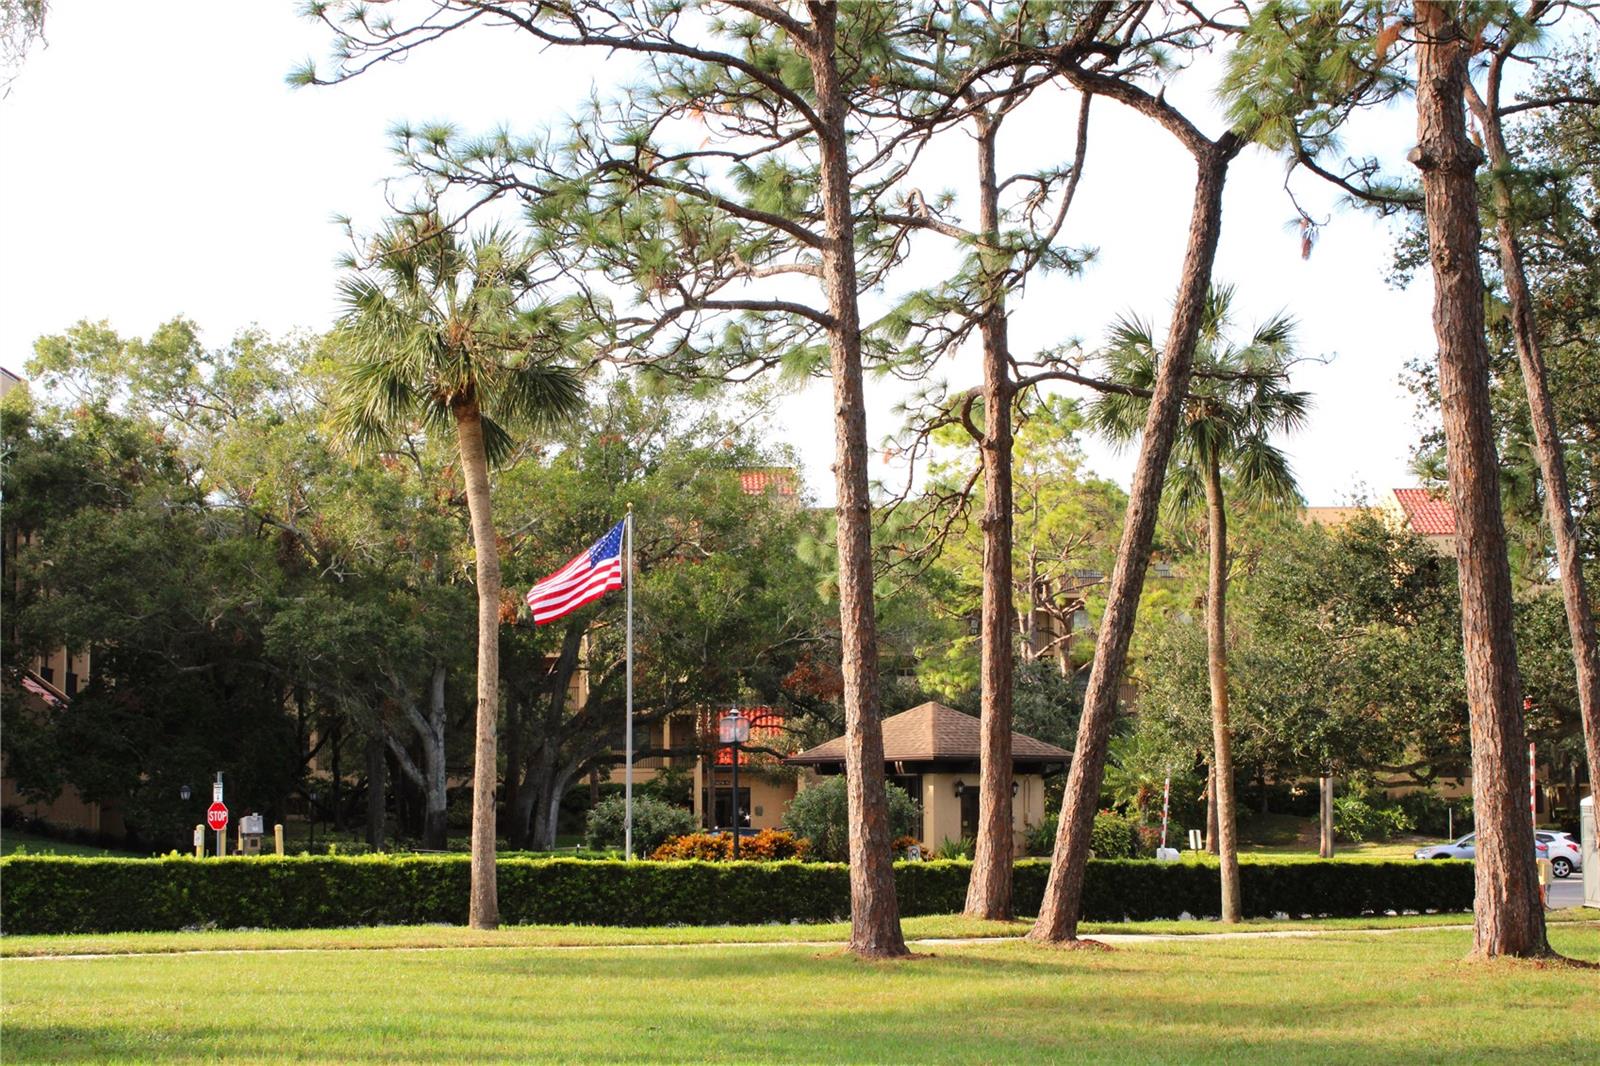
point(931, 751)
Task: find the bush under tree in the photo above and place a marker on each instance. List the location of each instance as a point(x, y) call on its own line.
point(817, 813)
point(654, 822)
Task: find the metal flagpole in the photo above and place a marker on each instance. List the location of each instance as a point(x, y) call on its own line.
point(627, 778)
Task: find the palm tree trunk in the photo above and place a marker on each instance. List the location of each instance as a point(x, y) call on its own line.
point(1063, 895)
point(1217, 669)
point(874, 910)
point(989, 890)
point(1547, 440)
point(484, 909)
point(1508, 911)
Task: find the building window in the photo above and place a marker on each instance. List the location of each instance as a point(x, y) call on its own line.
point(72, 684)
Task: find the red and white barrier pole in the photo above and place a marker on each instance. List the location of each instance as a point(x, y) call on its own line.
point(1533, 791)
point(1533, 814)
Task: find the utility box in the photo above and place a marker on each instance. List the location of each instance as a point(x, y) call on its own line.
point(1591, 852)
point(250, 832)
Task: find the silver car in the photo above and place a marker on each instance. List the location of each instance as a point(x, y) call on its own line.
point(1467, 848)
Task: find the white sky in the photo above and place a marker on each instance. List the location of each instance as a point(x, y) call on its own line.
point(155, 163)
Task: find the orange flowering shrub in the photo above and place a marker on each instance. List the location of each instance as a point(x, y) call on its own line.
point(767, 845)
point(903, 844)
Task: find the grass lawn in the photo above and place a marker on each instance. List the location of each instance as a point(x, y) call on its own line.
point(13, 840)
point(1343, 997)
point(1285, 836)
point(942, 926)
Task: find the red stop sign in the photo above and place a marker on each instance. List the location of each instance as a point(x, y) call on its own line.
point(217, 817)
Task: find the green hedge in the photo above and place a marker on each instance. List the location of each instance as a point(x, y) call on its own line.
point(49, 894)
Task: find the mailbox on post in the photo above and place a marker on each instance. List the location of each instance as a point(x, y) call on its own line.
point(250, 832)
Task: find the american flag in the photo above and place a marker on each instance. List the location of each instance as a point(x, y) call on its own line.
point(591, 574)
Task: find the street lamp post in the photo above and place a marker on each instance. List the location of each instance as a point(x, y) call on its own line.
point(184, 792)
point(733, 729)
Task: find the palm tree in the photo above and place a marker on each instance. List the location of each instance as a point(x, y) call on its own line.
point(435, 331)
point(1238, 398)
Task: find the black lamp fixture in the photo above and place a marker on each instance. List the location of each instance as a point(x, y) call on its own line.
point(733, 729)
point(962, 786)
point(184, 792)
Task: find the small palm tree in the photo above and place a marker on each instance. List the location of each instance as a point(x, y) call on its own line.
point(1239, 397)
point(436, 331)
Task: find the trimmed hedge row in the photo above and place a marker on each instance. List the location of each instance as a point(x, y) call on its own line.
point(49, 894)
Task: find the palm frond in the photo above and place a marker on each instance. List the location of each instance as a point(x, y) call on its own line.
point(1262, 473)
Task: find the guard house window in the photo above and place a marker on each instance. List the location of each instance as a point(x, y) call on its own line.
point(722, 811)
point(912, 783)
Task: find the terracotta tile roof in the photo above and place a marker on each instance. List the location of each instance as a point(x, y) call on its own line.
point(766, 728)
point(1428, 513)
point(934, 732)
point(779, 480)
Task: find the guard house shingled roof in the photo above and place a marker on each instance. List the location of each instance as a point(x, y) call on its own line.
point(1428, 512)
point(933, 732)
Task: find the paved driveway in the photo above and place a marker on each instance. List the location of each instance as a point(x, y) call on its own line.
point(1567, 893)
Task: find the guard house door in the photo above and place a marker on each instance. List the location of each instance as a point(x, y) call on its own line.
point(969, 813)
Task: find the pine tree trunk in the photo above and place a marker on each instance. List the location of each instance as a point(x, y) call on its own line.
point(874, 910)
point(1217, 670)
point(484, 908)
point(1062, 904)
point(989, 890)
point(1547, 439)
point(1509, 913)
point(377, 789)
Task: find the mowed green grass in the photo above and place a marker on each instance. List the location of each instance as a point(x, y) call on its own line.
point(14, 840)
point(1340, 997)
point(933, 926)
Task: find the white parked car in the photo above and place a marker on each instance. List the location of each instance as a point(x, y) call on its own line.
point(1467, 848)
point(1565, 854)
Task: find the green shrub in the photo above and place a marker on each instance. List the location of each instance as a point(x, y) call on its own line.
point(965, 848)
point(1433, 815)
point(1041, 838)
point(51, 894)
point(818, 814)
point(1114, 836)
point(1366, 815)
point(653, 823)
